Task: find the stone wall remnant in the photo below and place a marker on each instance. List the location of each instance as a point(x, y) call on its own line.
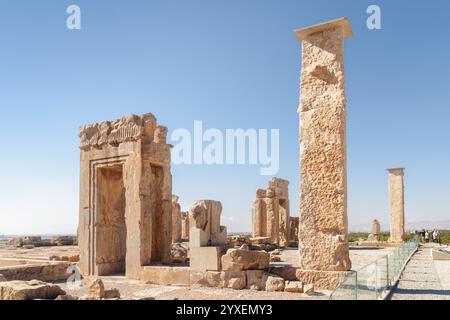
point(125, 216)
point(270, 212)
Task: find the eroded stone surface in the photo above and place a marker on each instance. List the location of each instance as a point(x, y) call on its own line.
point(176, 220)
point(239, 259)
point(396, 205)
point(274, 283)
point(270, 212)
point(28, 290)
point(125, 196)
point(323, 223)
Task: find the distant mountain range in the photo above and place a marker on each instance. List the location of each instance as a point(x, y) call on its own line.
point(443, 224)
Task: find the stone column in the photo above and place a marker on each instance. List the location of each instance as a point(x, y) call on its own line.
point(396, 204)
point(323, 226)
point(176, 220)
point(184, 226)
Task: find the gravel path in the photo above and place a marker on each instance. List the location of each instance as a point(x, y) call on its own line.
point(419, 280)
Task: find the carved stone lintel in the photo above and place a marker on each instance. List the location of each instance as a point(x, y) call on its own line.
point(128, 128)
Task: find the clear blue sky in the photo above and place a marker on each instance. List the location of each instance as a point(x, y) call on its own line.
point(231, 64)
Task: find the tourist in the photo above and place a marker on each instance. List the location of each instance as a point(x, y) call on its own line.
point(427, 236)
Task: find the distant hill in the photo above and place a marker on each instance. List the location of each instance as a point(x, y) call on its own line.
point(418, 225)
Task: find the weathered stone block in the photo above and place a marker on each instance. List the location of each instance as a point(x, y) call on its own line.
point(293, 286)
point(328, 280)
point(198, 238)
point(234, 280)
point(205, 258)
point(205, 279)
point(256, 279)
point(238, 260)
point(274, 283)
point(166, 275)
point(29, 290)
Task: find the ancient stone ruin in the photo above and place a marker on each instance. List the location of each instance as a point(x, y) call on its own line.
point(125, 196)
point(375, 235)
point(293, 231)
point(184, 226)
point(323, 243)
point(396, 205)
point(271, 213)
point(176, 220)
point(206, 235)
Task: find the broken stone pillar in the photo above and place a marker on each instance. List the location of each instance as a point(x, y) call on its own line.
point(125, 196)
point(206, 235)
point(323, 226)
point(270, 212)
point(176, 220)
point(376, 231)
point(396, 204)
point(184, 226)
point(293, 230)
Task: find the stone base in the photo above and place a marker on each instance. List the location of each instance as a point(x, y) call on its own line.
point(165, 275)
point(205, 258)
point(328, 280)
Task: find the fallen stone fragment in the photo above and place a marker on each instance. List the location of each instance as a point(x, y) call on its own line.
point(29, 290)
point(256, 279)
point(96, 290)
point(274, 283)
point(293, 286)
point(234, 280)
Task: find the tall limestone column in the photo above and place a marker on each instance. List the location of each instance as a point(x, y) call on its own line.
point(323, 227)
point(396, 204)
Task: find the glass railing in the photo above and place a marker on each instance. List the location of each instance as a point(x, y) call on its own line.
point(371, 281)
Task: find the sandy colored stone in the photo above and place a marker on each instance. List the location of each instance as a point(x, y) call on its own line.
point(176, 220)
point(64, 240)
point(166, 275)
point(274, 283)
point(396, 205)
point(234, 280)
point(293, 286)
point(270, 212)
point(44, 272)
point(375, 235)
point(206, 258)
point(205, 279)
point(205, 215)
point(238, 260)
point(328, 280)
point(96, 290)
point(28, 290)
point(323, 225)
point(2, 278)
point(185, 226)
point(256, 279)
point(293, 230)
point(125, 196)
